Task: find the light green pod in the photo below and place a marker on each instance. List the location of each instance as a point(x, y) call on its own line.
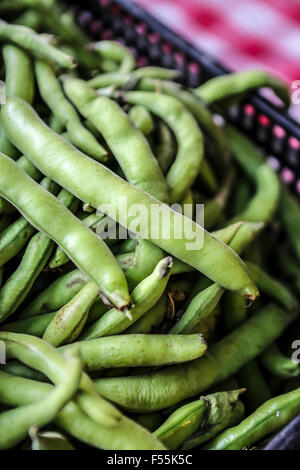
point(268, 418)
point(113, 50)
point(189, 156)
point(163, 388)
point(127, 143)
point(33, 43)
point(15, 423)
point(272, 287)
point(19, 79)
point(236, 84)
point(128, 435)
point(65, 165)
point(60, 258)
point(66, 230)
point(144, 296)
point(278, 364)
point(150, 319)
point(141, 118)
point(52, 93)
point(34, 326)
point(56, 295)
point(70, 319)
point(139, 350)
point(211, 412)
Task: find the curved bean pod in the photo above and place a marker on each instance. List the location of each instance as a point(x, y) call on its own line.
point(70, 319)
point(127, 143)
point(16, 423)
point(128, 435)
point(32, 42)
point(236, 84)
point(141, 118)
point(189, 156)
point(57, 294)
point(272, 287)
point(279, 365)
point(175, 383)
point(51, 92)
point(70, 234)
point(139, 350)
point(39, 355)
point(116, 52)
point(144, 296)
point(269, 417)
point(19, 79)
point(65, 165)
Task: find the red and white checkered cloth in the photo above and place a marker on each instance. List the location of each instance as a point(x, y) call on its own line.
point(240, 33)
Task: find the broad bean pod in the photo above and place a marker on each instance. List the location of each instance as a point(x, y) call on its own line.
point(52, 93)
point(269, 417)
point(15, 423)
point(65, 165)
point(33, 43)
point(70, 233)
point(173, 384)
point(128, 435)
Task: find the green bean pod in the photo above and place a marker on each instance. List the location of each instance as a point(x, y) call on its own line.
point(127, 143)
point(33, 43)
point(236, 84)
point(189, 156)
point(165, 148)
point(60, 258)
point(19, 79)
point(278, 364)
point(15, 423)
point(116, 52)
point(257, 388)
point(70, 233)
point(52, 93)
point(60, 161)
point(150, 319)
point(16, 288)
point(263, 204)
point(290, 217)
point(205, 302)
point(173, 384)
point(141, 118)
point(189, 423)
point(15, 237)
point(37, 354)
point(272, 287)
point(144, 296)
point(34, 326)
point(70, 319)
point(128, 435)
point(269, 417)
point(57, 294)
point(139, 350)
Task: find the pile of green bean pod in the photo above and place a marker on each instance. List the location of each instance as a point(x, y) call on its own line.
point(149, 256)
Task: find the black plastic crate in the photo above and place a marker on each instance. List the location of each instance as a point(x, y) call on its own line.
point(267, 124)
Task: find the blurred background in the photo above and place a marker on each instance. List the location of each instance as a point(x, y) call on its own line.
point(241, 33)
